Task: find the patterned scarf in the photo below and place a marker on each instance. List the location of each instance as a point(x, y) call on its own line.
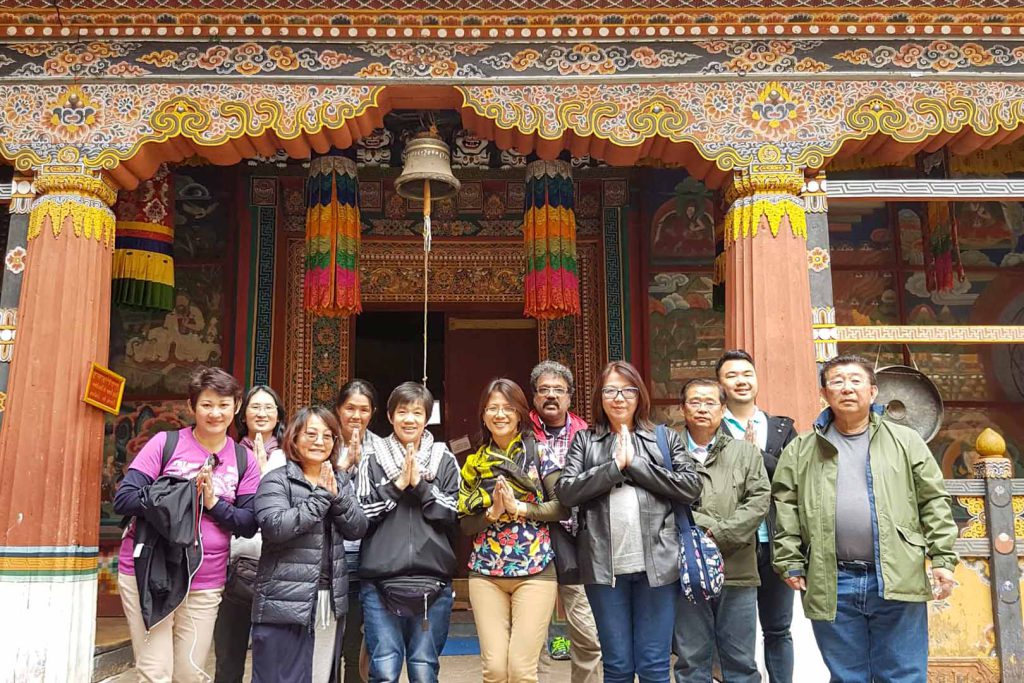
point(480, 474)
point(392, 457)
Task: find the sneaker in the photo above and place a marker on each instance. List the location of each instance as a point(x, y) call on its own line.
point(559, 648)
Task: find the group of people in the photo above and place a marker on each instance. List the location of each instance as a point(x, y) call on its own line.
point(345, 541)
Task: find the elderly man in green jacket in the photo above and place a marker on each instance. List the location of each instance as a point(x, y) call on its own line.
point(860, 506)
point(733, 505)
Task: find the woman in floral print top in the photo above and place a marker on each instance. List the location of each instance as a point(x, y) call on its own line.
point(506, 502)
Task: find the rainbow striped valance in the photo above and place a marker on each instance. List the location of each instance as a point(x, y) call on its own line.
point(551, 286)
point(332, 237)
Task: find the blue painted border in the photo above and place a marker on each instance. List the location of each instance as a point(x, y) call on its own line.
point(613, 283)
point(266, 243)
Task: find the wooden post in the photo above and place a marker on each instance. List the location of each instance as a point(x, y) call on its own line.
point(995, 468)
point(768, 293)
point(51, 443)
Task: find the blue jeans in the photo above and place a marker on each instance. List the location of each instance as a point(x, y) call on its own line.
point(775, 611)
point(873, 638)
point(392, 641)
point(634, 625)
point(727, 625)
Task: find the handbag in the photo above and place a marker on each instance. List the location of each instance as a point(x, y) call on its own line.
point(563, 543)
point(409, 596)
point(701, 568)
point(240, 586)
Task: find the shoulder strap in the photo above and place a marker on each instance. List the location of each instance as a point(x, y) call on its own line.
point(533, 453)
point(241, 462)
point(169, 445)
point(661, 433)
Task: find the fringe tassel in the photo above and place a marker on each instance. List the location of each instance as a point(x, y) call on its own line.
point(88, 217)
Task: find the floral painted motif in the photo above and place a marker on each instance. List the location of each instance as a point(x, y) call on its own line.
point(248, 59)
point(72, 114)
point(818, 259)
point(15, 260)
point(938, 55)
point(583, 59)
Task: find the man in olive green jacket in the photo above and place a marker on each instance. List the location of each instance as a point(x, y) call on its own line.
point(733, 504)
point(860, 506)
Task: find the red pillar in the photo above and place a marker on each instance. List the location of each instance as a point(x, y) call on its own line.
point(768, 300)
point(51, 442)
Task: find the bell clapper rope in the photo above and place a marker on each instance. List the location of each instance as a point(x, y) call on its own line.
point(426, 259)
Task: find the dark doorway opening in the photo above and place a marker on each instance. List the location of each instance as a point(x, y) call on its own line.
point(389, 351)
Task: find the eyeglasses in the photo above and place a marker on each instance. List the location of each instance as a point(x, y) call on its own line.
point(697, 405)
point(856, 382)
point(265, 409)
point(494, 410)
point(628, 393)
point(314, 436)
point(553, 391)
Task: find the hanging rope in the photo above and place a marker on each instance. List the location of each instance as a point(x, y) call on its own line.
point(426, 260)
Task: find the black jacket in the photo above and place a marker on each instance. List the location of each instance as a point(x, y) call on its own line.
point(589, 475)
point(167, 546)
point(291, 514)
point(780, 432)
point(412, 532)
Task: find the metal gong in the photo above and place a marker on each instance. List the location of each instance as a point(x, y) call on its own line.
point(910, 399)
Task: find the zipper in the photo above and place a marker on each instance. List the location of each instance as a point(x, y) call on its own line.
point(197, 541)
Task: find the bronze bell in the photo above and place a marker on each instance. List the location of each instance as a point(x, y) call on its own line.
point(428, 160)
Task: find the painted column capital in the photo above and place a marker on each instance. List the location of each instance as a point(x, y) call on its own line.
point(73, 196)
point(764, 195)
point(813, 193)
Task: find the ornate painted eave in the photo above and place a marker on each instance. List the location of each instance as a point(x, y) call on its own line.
point(708, 127)
point(517, 62)
point(536, 20)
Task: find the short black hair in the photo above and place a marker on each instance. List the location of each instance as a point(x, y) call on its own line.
point(847, 359)
point(410, 392)
point(732, 354)
point(702, 382)
point(357, 387)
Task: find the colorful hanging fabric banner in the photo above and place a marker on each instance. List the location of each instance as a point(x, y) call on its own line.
point(551, 286)
point(332, 237)
point(143, 266)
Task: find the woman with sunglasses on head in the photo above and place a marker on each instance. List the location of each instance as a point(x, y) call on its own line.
point(260, 425)
point(506, 502)
point(306, 510)
point(628, 546)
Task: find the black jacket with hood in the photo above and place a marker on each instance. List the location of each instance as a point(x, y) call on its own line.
point(291, 512)
point(412, 532)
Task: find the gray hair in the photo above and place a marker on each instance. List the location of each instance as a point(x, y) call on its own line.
point(550, 367)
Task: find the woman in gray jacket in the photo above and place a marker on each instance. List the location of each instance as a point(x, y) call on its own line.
point(306, 510)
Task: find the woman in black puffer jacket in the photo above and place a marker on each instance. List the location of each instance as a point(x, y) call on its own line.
point(306, 510)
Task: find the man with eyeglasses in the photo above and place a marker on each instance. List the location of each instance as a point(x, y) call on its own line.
point(733, 504)
point(770, 433)
point(861, 506)
point(555, 426)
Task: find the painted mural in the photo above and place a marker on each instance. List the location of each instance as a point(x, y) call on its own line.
point(685, 333)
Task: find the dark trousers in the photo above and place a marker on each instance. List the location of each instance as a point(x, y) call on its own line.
point(231, 640)
point(352, 641)
point(283, 653)
point(726, 626)
point(775, 612)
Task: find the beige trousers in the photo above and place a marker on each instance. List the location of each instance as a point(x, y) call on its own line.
point(177, 648)
point(512, 617)
point(586, 648)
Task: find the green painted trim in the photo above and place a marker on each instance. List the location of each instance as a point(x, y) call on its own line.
point(250, 308)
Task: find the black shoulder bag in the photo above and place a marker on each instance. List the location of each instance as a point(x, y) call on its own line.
point(562, 542)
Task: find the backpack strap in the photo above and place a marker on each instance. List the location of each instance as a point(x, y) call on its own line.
point(169, 445)
point(683, 514)
point(241, 462)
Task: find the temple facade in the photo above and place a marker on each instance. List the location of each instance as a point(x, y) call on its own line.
point(797, 179)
